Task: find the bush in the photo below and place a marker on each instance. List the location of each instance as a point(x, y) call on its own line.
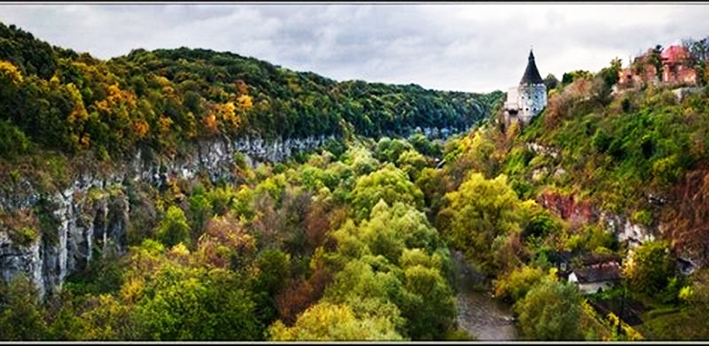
point(13, 142)
point(651, 268)
point(21, 314)
point(551, 311)
point(518, 283)
point(173, 228)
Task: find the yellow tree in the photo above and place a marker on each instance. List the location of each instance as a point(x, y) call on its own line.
point(326, 321)
point(482, 210)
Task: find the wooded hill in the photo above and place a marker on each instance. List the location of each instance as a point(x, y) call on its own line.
point(55, 98)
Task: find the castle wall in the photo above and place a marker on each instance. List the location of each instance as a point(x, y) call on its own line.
point(512, 98)
point(532, 99)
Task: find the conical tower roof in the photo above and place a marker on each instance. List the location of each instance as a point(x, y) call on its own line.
point(531, 74)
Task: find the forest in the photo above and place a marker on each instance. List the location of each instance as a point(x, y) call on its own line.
point(353, 240)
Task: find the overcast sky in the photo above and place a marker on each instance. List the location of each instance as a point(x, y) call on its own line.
point(476, 47)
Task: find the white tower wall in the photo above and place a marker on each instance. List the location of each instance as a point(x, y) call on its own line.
point(532, 99)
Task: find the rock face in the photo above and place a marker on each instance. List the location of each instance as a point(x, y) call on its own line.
point(581, 213)
point(15, 259)
point(85, 216)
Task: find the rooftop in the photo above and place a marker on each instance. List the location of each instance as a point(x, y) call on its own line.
point(673, 54)
point(599, 272)
point(531, 74)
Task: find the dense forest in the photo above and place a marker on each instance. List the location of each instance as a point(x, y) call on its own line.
point(353, 240)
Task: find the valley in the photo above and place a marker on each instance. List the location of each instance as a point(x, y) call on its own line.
point(187, 194)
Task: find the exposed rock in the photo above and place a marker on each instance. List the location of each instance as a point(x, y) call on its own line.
point(625, 230)
point(539, 174)
point(16, 259)
point(579, 213)
point(86, 219)
point(537, 148)
point(559, 173)
point(681, 93)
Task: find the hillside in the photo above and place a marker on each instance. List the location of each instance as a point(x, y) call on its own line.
point(600, 176)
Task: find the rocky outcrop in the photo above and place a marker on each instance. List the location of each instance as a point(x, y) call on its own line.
point(16, 259)
point(93, 211)
point(543, 150)
point(578, 213)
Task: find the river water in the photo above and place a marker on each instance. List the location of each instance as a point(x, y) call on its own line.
point(478, 313)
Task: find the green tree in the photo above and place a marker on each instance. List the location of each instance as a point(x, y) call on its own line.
point(370, 286)
point(655, 59)
point(173, 228)
point(611, 74)
point(67, 325)
point(21, 314)
point(650, 268)
point(412, 162)
point(200, 211)
point(108, 320)
point(327, 321)
point(518, 283)
point(194, 304)
point(550, 81)
point(551, 311)
point(483, 210)
point(274, 269)
point(569, 77)
point(389, 184)
point(430, 307)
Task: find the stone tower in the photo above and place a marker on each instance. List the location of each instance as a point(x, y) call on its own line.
point(530, 97)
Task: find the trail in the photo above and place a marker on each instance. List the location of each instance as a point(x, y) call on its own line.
point(478, 313)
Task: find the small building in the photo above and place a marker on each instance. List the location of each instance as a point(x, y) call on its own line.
point(528, 98)
point(597, 277)
point(676, 69)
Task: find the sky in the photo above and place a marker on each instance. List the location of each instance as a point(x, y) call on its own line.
point(463, 46)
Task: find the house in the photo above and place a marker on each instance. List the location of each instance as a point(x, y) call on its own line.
point(562, 262)
point(528, 98)
point(676, 69)
point(596, 277)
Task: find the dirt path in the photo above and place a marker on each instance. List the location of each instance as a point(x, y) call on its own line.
point(478, 313)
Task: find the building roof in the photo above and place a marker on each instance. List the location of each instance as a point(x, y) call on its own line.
point(598, 272)
point(531, 74)
point(673, 54)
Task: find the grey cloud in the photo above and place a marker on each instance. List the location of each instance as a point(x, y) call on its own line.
point(470, 47)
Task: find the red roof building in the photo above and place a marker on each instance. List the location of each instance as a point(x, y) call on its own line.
point(675, 69)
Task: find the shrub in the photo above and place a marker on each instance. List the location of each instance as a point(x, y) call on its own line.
point(173, 228)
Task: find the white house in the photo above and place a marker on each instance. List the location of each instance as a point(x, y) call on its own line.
point(593, 278)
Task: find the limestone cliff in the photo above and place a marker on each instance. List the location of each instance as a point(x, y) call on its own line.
point(94, 210)
point(84, 215)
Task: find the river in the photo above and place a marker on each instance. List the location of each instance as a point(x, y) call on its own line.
point(478, 313)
